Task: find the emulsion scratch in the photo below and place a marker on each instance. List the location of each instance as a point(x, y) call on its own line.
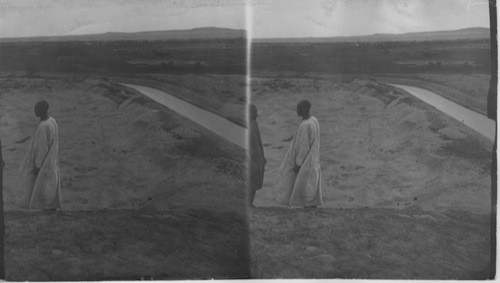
point(476, 3)
point(329, 7)
point(317, 22)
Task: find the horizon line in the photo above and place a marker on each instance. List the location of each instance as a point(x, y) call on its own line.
point(121, 32)
point(244, 30)
point(373, 34)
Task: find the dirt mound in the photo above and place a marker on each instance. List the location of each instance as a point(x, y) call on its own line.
point(380, 147)
point(131, 150)
point(406, 189)
point(146, 193)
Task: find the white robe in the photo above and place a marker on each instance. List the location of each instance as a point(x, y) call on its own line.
point(41, 191)
point(304, 188)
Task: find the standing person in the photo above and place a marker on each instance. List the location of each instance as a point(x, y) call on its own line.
point(257, 159)
point(38, 185)
point(299, 179)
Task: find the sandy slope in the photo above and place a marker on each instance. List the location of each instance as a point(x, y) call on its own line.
point(384, 154)
point(470, 91)
point(121, 151)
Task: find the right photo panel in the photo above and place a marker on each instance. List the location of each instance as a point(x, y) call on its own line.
point(370, 139)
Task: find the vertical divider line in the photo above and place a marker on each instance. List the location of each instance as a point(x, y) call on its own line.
point(248, 24)
point(248, 89)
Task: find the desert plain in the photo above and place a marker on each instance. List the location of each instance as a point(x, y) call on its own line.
point(406, 189)
point(146, 193)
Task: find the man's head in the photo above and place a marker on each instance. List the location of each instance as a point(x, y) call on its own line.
point(303, 108)
point(41, 109)
point(253, 112)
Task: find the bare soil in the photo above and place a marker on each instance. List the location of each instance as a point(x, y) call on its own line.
point(146, 193)
point(406, 189)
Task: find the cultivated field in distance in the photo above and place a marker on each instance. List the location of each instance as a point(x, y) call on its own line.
point(455, 64)
point(223, 56)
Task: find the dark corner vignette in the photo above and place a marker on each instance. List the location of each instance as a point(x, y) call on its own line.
point(492, 114)
point(2, 226)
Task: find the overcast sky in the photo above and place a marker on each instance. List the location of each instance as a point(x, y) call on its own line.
point(68, 17)
point(270, 18)
point(317, 18)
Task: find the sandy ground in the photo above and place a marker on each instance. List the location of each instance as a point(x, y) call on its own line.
point(406, 190)
point(153, 192)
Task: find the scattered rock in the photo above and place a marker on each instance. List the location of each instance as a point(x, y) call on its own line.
point(33, 274)
point(57, 252)
point(68, 269)
point(403, 215)
point(311, 249)
point(321, 264)
point(94, 248)
point(452, 133)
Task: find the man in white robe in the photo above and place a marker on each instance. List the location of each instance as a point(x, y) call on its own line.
point(299, 179)
point(39, 185)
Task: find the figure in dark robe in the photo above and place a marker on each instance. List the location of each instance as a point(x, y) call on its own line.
point(257, 159)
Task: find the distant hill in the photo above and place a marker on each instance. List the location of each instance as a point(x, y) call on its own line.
point(469, 33)
point(196, 33)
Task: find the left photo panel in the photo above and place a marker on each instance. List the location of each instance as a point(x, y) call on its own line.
point(123, 133)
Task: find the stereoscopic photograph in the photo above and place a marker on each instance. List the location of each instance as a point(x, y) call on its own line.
point(248, 139)
point(377, 140)
point(123, 137)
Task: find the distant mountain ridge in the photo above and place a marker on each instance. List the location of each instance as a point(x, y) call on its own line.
point(195, 33)
point(468, 33)
point(214, 32)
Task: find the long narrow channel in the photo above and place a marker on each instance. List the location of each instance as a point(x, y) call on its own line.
point(472, 119)
point(213, 122)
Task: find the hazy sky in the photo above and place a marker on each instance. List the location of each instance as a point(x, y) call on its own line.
point(297, 18)
point(65, 17)
point(270, 18)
